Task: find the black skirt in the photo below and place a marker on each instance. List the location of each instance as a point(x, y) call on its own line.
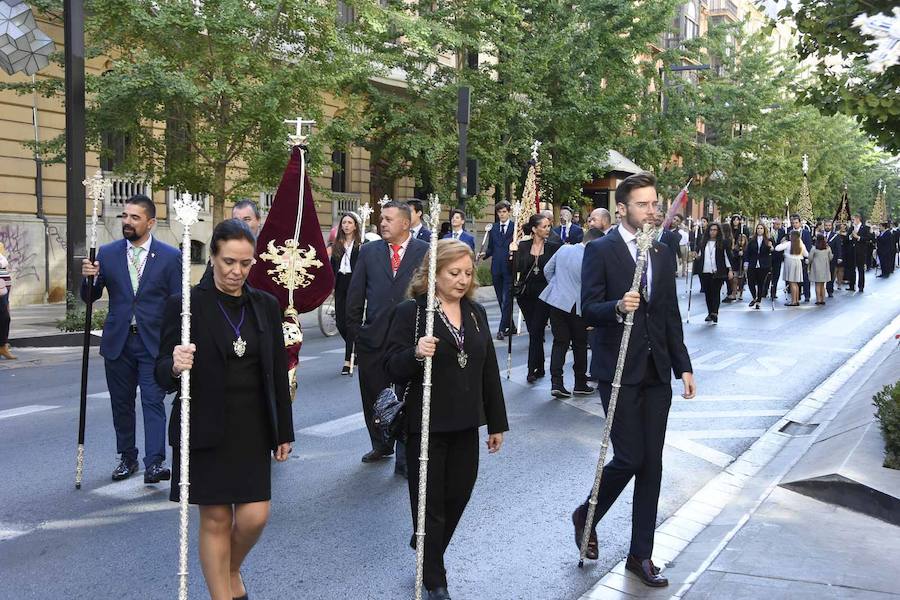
point(239, 469)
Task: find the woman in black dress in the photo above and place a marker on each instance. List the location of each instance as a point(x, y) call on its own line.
point(465, 394)
point(531, 258)
point(344, 253)
point(240, 405)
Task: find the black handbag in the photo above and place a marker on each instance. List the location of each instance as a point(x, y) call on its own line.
point(389, 413)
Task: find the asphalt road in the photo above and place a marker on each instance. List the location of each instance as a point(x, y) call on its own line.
point(339, 528)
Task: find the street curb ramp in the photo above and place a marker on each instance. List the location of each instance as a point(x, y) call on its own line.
point(844, 466)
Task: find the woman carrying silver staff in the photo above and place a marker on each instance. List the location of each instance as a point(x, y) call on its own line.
point(465, 394)
point(655, 351)
point(240, 405)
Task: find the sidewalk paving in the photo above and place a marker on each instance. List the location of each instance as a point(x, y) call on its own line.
point(744, 537)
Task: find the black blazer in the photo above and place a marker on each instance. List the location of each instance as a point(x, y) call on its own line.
point(532, 284)
point(606, 275)
point(836, 243)
point(210, 364)
point(857, 249)
point(460, 398)
point(341, 282)
point(575, 233)
point(673, 240)
point(759, 258)
point(375, 290)
point(721, 271)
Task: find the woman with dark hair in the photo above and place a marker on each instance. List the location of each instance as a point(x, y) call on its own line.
point(820, 267)
point(758, 264)
point(794, 252)
point(457, 229)
point(240, 405)
point(531, 257)
point(729, 241)
point(344, 253)
point(465, 394)
point(714, 266)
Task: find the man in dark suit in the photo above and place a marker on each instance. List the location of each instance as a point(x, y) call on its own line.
point(884, 245)
point(417, 227)
point(568, 232)
point(601, 220)
point(656, 350)
point(806, 238)
point(380, 280)
point(499, 239)
point(777, 234)
point(836, 244)
point(139, 274)
point(855, 258)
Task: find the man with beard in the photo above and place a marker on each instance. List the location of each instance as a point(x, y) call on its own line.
point(139, 274)
point(655, 352)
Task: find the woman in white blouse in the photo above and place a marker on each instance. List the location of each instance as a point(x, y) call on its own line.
point(794, 253)
point(344, 252)
point(714, 267)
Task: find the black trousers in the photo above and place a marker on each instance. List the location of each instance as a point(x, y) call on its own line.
point(776, 275)
point(757, 279)
point(829, 285)
point(638, 434)
point(805, 280)
point(4, 319)
point(568, 329)
point(885, 261)
point(855, 272)
point(535, 313)
point(712, 289)
point(372, 379)
point(340, 314)
point(452, 471)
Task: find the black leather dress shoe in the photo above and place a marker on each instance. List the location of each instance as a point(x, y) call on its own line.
point(500, 336)
point(646, 571)
point(583, 389)
point(375, 456)
point(531, 378)
point(578, 519)
point(127, 468)
point(439, 593)
point(156, 473)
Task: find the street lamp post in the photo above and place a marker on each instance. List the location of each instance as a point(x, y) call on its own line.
point(674, 69)
point(462, 120)
point(76, 214)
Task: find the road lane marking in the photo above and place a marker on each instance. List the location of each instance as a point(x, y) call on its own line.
point(132, 488)
point(710, 455)
point(9, 531)
point(768, 366)
point(725, 414)
point(99, 395)
point(24, 410)
point(710, 362)
point(336, 427)
point(727, 398)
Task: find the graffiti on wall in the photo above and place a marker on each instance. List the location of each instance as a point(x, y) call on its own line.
point(20, 252)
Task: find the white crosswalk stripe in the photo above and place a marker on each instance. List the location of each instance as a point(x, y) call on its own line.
point(24, 410)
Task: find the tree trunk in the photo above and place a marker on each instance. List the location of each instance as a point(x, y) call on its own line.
point(218, 193)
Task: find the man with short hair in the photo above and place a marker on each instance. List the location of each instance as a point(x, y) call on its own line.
point(656, 351)
point(858, 238)
point(139, 274)
point(601, 220)
point(499, 238)
point(837, 252)
point(806, 238)
point(884, 245)
point(248, 212)
point(568, 232)
point(380, 280)
point(417, 227)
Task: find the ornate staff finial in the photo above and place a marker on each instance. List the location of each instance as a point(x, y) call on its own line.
point(434, 210)
point(298, 138)
point(365, 211)
point(534, 150)
point(805, 164)
point(187, 210)
point(384, 200)
point(96, 190)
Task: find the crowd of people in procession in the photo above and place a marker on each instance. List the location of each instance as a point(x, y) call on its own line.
point(575, 278)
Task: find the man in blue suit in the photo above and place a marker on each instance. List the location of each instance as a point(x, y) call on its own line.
point(417, 227)
point(499, 238)
point(139, 274)
point(568, 232)
point(834, 241)
point(457, 231)
point(380, 280)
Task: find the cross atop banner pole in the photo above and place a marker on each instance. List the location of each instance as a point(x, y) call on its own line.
point(298, 138)
point(534, 150)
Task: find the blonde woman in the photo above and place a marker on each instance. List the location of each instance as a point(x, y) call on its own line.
point(465, 394)
point(794, 253)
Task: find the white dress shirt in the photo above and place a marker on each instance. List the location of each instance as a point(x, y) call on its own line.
point(345, 259)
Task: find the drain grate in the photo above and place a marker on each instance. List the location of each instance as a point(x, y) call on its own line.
point(797, 429)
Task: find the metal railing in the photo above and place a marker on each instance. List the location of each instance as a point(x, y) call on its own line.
point(343, 202)
point(723, 8)
point(123, 187)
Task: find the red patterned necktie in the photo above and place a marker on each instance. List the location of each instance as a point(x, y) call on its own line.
point(395, 257)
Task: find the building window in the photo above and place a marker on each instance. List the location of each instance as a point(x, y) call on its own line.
point(339, 171)
point(114, 149)
point(690, 27)
point(197, 252)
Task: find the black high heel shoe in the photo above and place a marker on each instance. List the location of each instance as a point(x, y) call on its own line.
point(346, 370)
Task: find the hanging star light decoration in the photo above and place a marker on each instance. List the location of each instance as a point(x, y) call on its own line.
point(885, 30)
point(24, 48)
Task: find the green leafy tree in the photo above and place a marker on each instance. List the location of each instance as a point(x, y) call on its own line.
point(841, 83)
point(201, 89)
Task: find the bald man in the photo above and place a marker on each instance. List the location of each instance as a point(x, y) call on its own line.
point(600, 219)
